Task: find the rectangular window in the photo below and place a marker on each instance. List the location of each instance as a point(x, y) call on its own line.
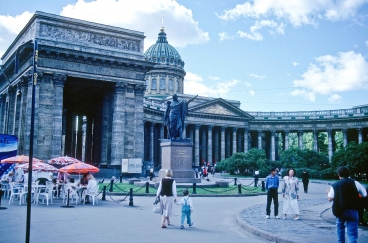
point(171, 85)
point(154, 84)
point(162, 83)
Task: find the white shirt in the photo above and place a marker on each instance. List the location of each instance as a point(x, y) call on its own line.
point(361, 189)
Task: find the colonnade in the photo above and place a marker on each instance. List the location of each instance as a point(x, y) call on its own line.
point(214, 143)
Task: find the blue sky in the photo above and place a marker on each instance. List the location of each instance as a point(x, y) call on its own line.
point(271, 55)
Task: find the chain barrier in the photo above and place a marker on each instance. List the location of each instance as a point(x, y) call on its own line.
point(230, 189)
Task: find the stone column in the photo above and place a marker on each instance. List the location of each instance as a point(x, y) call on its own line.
point(152, 146)
point(360, 136)
point(329, 137)
point(315, 140)
point(137, 138)
point(22, 116)
point(259, 139)
point(286, 140)
point(12, 109)
point(118, 121)
point(2, 113)
point(88, 148)
point(58, 81)
point(235, 140)
point(203, 143)
point(209, 144)
point(106, 120)
point(345, 139)
point(196, 145)
point(273, 149)
point(300, 139)
point(223, 142)
point(246, 140)
point(162, 130)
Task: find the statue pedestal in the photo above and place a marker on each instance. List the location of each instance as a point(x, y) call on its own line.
point(177, 156)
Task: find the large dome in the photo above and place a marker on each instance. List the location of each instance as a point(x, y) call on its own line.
point(163, 53)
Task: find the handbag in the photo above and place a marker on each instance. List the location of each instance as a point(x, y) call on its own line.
point(156, 205)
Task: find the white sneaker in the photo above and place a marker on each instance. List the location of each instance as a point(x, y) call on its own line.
point(297, 218)
point(267, 216)
point(277, 217)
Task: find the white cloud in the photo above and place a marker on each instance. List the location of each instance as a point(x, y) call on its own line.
point(295, 63)
point(194, 84)
point(256, 76)
point(213, 78)
point(296, 12)
point(251, 92)
point(254, 34)
point(143, 15)
point(224, 36)
point(334, 98)
point(347, 71)
point(247, 84)
point(10, 26)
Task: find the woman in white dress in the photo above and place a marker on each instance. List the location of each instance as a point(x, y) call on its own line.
point(167, 193)
point(290, 194)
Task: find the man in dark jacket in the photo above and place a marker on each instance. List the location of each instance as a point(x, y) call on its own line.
point(344, 195)
point(305, 180)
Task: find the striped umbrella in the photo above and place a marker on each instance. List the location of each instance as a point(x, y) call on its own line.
point(64, 160)
point(19, 159)
point(38, 166)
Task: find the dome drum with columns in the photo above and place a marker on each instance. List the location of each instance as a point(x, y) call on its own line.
point(168, 75)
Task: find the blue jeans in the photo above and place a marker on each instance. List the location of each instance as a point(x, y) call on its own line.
point(351, 218)
point(183, 214)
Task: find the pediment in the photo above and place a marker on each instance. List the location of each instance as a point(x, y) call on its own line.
point(219, 107)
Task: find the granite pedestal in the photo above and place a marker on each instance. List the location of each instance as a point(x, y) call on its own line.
point(177, 156)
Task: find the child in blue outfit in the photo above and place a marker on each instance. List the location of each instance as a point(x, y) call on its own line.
point(186, 208)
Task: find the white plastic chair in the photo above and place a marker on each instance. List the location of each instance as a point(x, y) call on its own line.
point(72, 194)
point(93, 192)
point(15, 192)
point(5, 187)
point(25, 192)
point(46, 193)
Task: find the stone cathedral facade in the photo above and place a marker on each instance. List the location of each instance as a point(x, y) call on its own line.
point(101, 98)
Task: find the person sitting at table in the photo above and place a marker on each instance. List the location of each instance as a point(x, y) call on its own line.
point(84, 181)
point(91, 184)
point(9, 177)
point(42, 180)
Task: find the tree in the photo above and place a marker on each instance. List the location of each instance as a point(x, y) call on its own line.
point(297, 158)
point(354, 156)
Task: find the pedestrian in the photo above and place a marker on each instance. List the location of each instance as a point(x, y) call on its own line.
point(256, 177)
point(151, 174)
point(305, 180)
point(363, 205)
point(186, 208)
point(290, 194)
point(345, 197)
point(167, 192)
point(272, 185)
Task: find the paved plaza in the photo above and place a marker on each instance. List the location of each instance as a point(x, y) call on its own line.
point(216, 219)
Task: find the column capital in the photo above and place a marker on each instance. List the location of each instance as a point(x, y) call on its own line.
point(210, 127)
point(197, 126)
point(59, 79)
point(223, 128)
point(359, 129)
point(273, 132)
point(344, 130)
point(300, 131)
point(153, 124)
point(234, 129)
point(120, 87)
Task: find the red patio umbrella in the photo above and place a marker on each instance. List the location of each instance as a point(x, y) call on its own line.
point(79, 168)
point(38, 166)
point(19, 159)
point(64, 160)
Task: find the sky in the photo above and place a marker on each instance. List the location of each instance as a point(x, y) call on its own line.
point(271, 55)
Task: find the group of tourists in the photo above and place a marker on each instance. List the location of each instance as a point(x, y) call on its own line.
point(348, 197)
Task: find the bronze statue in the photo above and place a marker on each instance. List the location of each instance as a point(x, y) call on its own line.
point(174, 116)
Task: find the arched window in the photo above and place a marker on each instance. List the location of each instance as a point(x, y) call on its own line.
point(154, 84)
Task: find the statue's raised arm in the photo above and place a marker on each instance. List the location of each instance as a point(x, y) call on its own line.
point(191, 99)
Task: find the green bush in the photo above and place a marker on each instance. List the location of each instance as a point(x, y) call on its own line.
point(312, 173)
point(328, 173)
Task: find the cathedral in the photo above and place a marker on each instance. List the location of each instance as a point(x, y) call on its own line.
point(101, 99)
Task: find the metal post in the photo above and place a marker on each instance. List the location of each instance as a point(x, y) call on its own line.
point(194, 188)
point(147, 187)
point(1, 195)
point(104, 193)
point(31, 138)
point(235, 181)
point(111, 185)
point(121, 177)
point(263, 186)
point(131, 197)
point(239, 189)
